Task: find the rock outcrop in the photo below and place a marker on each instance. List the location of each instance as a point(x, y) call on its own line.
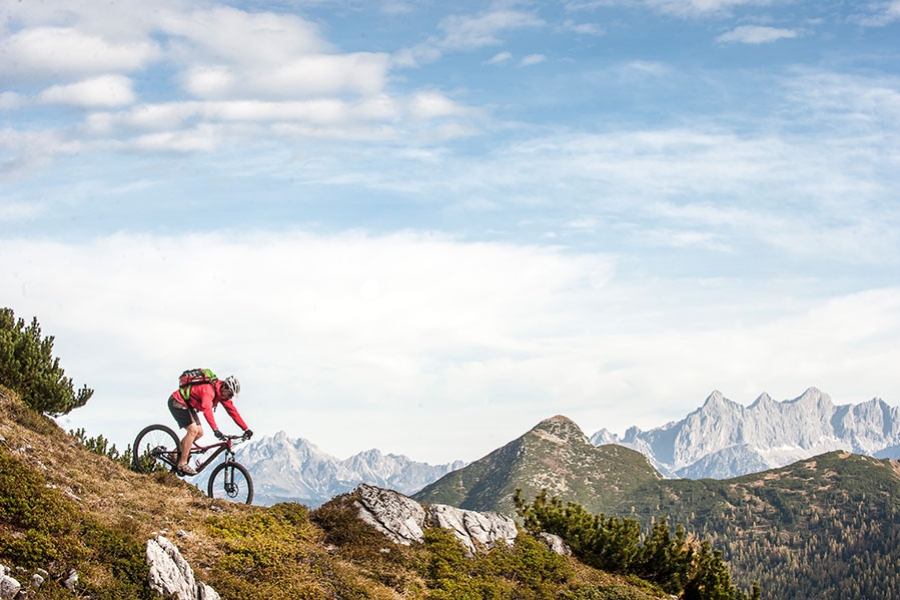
point(403, 520)
point(170, 573)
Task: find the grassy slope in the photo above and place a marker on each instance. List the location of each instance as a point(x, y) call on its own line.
point(62, 507)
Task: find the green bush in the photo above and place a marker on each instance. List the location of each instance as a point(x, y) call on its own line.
point(528, 570)
point(617, 545)
point(100, 445)
point(28, 367)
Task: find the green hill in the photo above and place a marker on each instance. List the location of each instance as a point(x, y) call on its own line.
point(555, 456)
point(824, 528)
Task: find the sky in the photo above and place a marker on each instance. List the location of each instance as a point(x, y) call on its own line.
point(424, 227)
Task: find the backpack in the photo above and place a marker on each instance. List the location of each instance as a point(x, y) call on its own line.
point(194, 376)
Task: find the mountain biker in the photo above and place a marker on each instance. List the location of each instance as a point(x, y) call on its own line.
point(204, 397)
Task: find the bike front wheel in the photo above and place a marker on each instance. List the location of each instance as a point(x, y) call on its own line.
point(231, 481)
point(155, 448)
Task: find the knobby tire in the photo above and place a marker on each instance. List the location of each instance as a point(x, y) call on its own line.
point(150, 439)
point(231, 481)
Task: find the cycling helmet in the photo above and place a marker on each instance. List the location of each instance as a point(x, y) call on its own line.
point(232, 384)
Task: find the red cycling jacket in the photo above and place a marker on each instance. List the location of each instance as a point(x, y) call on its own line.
point(205, 397)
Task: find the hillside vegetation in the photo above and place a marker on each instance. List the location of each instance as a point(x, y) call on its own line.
point(825, 528)
point(64, 508)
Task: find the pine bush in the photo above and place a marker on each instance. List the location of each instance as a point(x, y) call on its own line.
point(28, 367)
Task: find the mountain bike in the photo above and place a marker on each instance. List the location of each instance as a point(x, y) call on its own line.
point(156, 447)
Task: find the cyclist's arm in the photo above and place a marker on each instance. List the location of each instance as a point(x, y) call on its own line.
point(232, 411)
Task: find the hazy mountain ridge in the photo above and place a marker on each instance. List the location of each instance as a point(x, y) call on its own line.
point(724, 439)
point(284, 469)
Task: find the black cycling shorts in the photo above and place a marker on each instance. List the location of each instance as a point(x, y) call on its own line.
point(184, 415)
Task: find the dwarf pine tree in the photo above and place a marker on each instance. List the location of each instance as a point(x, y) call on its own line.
point(617, 545)
point(28, 367)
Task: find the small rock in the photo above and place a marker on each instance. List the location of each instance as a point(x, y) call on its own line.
point(36, 581)
point(9, 587)
point(71, 581)
point(555, 543)
point(42, 573)
point(204, 592)
point(182, 533)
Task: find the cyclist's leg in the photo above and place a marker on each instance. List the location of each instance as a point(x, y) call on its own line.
point(188, 420)
point(193, 432)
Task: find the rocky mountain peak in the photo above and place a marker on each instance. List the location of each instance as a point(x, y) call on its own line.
point(764, 400)
point(715, 397)
point(812, 395)
point(560, 430)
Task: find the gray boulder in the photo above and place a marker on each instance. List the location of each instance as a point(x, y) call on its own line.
point(170, 573)
point(9, 587)
point(403, 520)
point(474, 529)
point(396, 516)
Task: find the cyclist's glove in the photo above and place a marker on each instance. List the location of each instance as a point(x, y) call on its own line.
point(248, 433)
point(219, 435)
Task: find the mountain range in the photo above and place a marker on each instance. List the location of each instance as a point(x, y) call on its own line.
point(723, 439)
point(287, 469)
point(826, 527)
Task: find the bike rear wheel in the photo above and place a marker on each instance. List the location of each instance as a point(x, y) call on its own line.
point(155, 448)
point(231, 481)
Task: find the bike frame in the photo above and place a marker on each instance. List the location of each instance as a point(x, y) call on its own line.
point(223, 446)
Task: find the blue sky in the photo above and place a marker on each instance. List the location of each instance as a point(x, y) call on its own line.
point(424, 227)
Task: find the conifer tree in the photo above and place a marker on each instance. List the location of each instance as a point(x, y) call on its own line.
point(28, 367)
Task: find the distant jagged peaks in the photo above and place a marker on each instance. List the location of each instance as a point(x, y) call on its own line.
point(296, 469)
point(724, 439)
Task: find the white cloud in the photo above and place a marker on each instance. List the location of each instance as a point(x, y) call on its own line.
point(14, 211)
point(433, 104)
point(317, 75)
point(582, 28)
point(882, 14)
point(683, 8)
point(461, 32)
point(58, 52)
point(532, 59)
point(31, 149)
point(330, 334)
point(11, 100)
point(108, 91)
point(204, 125)
point(755, 34)
point(416, 56)
point(233, 36)
point(499, 58)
